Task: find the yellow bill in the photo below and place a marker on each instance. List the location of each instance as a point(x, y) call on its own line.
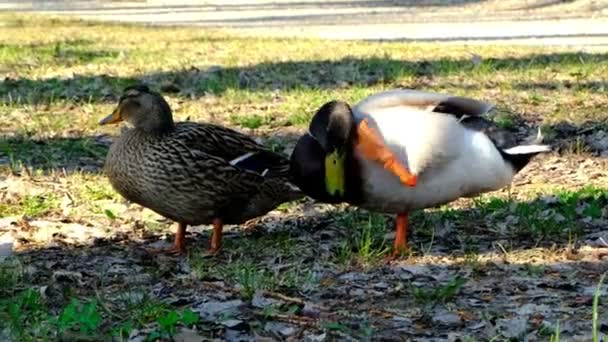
point(334, 174)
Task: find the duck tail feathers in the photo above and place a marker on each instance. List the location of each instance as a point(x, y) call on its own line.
point(519, 156)
point(528, 149)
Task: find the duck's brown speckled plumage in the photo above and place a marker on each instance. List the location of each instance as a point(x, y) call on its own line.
point(184, 172)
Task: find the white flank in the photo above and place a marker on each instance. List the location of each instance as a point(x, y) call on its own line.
point(264, 172)
point(526, 149)
point(241, 158)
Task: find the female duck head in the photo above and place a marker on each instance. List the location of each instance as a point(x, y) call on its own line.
point(319, 158)
point(142, 108)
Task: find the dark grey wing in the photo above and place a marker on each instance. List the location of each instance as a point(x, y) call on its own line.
point(234, 147)
point(433, 102)
point(204, 175)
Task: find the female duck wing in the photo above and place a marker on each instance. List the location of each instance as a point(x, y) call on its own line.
point(432, 102)
point(211, 174)
point(234, 147)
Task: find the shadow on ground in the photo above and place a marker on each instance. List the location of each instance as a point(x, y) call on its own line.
point(195, 82)
point(82, 154)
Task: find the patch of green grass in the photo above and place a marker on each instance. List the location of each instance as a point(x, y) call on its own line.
point(534, 270)
point(555, 335)
point(168, 322)
point(84, 317)
point(58, 53)
point(53, 153)
point(577, 146)
point(364, 331)
point(31, 206)
point(26, 317)
point(97, 191)
point(439, 295)
point(145, 310)
point(275, 144)
point(505, 121)
point(11, 276)
point(249, 121)
point(366, 243)
point(251, 277)
point(34, 206)
point(553, 218)
point(473, 260)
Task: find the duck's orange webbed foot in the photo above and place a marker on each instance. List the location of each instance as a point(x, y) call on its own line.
point(371, 146)
point(179, 246)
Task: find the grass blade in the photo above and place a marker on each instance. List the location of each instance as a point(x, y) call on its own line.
point(596, 300)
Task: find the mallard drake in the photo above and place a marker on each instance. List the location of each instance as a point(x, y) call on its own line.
point(192, 173)
point(403, 150)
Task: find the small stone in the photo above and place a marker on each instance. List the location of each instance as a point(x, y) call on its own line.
point(356, 292)
point(598, 141)
point(231, 323)
point(513, 328)
point(63, 276)
point(315, 338)
point(233, 335)
point(279, 328)
point(210, 310)
point(411, 270)
point(187, 335)
point(447, 318)
point(134, 297)
point(581, 338)
point(381, 285)
point(310, 310)
point(401, 322)
point(259, 301)
point(352, 276)
point(6, 250)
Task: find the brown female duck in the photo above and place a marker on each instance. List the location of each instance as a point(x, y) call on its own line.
point(192, 173)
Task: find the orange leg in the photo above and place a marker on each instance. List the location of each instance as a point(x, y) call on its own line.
point(180, 238)
point(401, 224)
point(216, 236)
point(371, 146)
point(179, 245)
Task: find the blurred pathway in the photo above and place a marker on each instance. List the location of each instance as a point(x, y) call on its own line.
point(548, 22)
